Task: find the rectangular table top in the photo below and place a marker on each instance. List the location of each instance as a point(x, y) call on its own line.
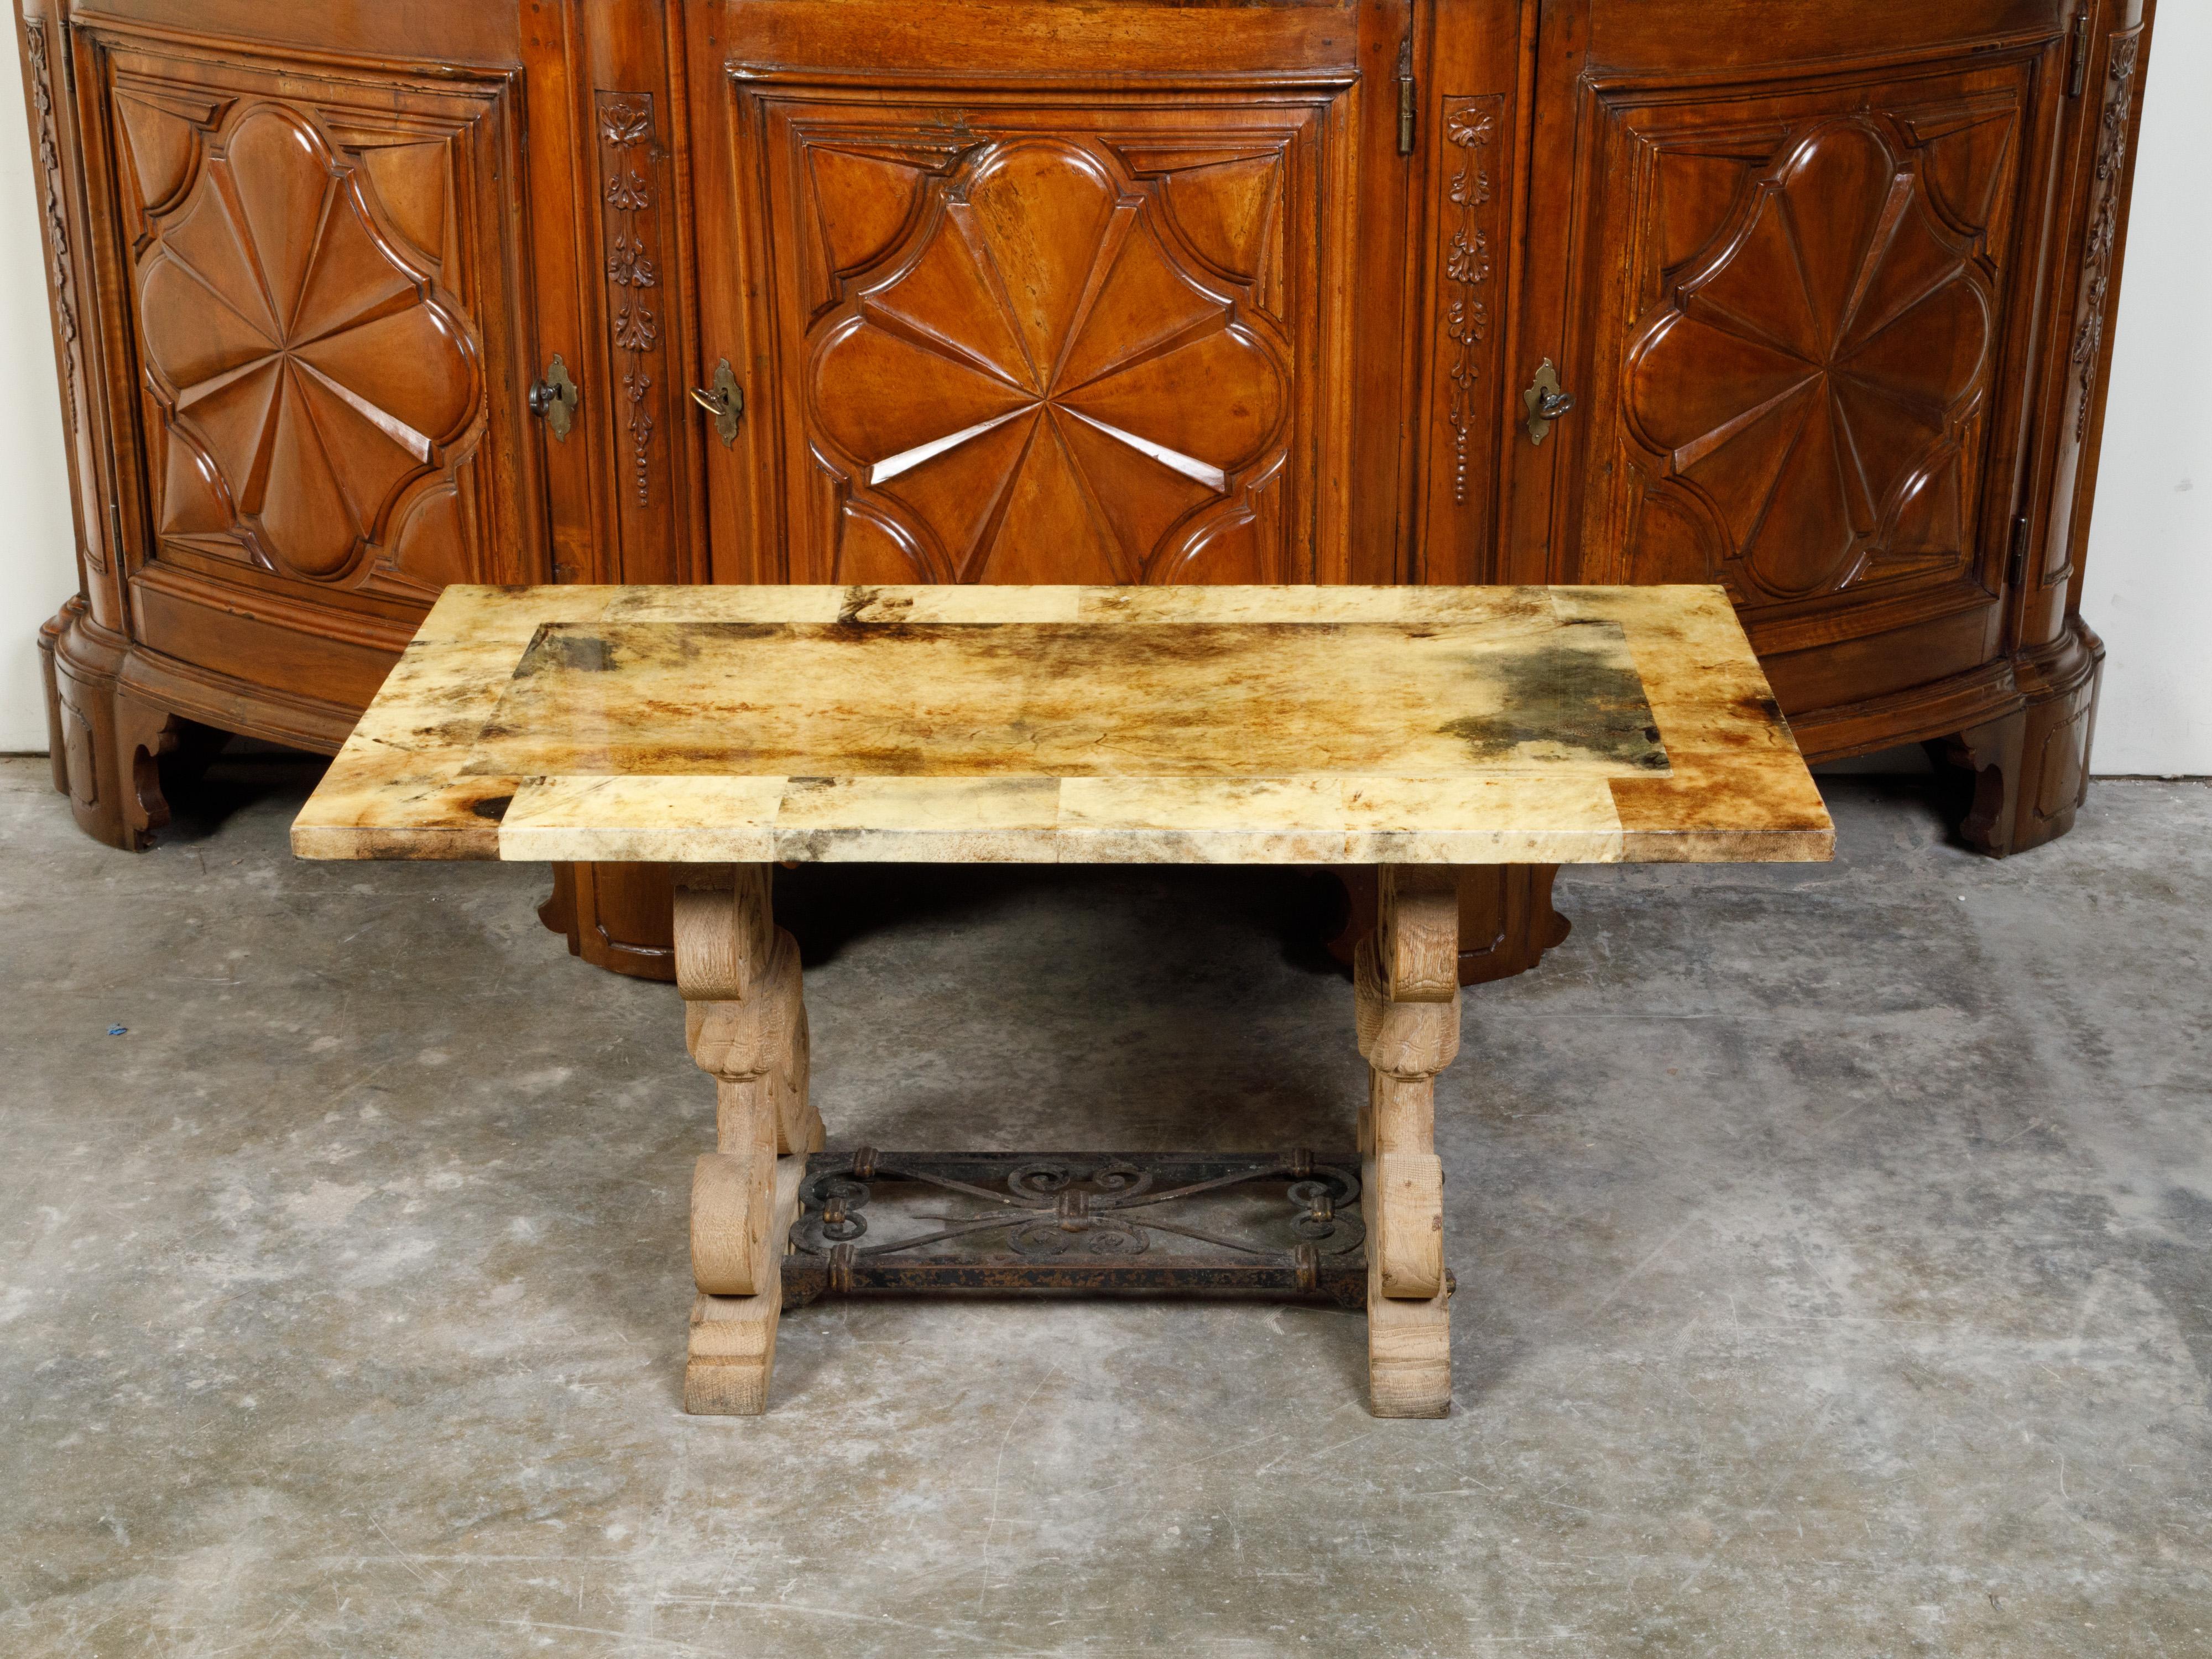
point(1081, 724)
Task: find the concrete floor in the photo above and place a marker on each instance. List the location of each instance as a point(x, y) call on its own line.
point(1834, 1247)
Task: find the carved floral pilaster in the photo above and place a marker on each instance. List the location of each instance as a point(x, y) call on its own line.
point(626, 142)
point(1470, 124)
point(55, 219)
point(2104, 223)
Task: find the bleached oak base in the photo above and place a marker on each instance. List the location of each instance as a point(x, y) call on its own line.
point(733, 1352)
point(745, 1020)
point(1406, 995)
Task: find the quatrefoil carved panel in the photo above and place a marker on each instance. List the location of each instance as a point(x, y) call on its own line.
point(1808, 383)
point(1041, 380)
point(310, 373)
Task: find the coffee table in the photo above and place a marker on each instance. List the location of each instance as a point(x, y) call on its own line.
point(1417, 729)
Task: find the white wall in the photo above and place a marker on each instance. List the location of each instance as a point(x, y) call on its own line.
point(2150, 552)
point(2148, 590)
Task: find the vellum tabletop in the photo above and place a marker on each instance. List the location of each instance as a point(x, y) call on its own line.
point(1091, 725)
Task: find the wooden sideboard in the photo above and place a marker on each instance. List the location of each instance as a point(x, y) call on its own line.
point(353, 301)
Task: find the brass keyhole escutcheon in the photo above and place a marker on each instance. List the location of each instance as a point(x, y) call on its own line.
point(555, 400)
point(724, 399)
point(1546, 402)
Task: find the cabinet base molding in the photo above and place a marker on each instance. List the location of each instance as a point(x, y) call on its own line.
point(1506, 921)
point(621, 917)
point(107, 744)
point(2023, 775)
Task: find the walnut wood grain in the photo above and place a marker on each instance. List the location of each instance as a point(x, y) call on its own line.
point(1156, 299)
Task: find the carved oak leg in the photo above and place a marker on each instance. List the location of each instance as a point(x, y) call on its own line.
point(745, 1020)
point(1406, 984)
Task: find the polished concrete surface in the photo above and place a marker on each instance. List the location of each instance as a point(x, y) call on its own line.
point(1834, 1247)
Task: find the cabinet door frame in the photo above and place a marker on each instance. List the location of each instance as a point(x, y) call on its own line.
point(368, 615)
point(1347, 51)
point(957, 136)
point(1561, 528)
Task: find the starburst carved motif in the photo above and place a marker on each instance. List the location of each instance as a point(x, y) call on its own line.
point(1811, 374)
point(1039, 375)
point(316, 371)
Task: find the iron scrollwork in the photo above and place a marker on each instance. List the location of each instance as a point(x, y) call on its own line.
point(1082, 1223)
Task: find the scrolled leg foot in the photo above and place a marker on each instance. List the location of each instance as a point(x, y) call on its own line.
point(1408, 1353)
point(732, 1357)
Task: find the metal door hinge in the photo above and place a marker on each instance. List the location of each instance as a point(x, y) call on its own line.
point(2077, 74)
point(555, 400)
point(1546, 402)
point(1405, 96)
point(2016, 570)
point(724, 399)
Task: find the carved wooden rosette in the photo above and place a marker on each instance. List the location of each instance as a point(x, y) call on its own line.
point(313, 378)
point(1028, 344)
point(1801, 409)
point(1042, 368)
point(317, 388)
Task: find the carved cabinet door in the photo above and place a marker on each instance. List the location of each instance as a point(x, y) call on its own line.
point(319, 338)
point(1792, 276)
point(1035, 294)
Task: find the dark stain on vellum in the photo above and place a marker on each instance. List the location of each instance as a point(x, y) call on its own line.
point(1556, 695)
point(860, 598)
point(1761, 709)
point(552, 646)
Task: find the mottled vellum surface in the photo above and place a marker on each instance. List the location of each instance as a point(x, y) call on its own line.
point(1260, 725)
point(1521, 695)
